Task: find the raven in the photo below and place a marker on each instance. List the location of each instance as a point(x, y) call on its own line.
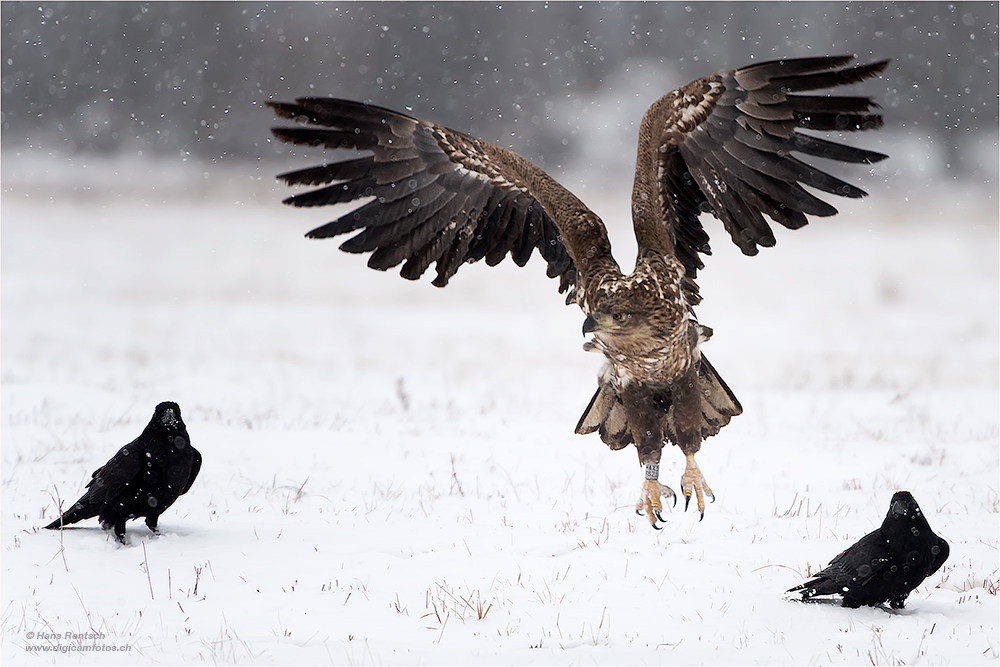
point(886, 564)
point(144, 478)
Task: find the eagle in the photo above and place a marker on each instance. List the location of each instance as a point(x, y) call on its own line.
point(724, 144)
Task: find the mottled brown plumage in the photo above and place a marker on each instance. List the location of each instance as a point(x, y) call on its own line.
point(721, 145)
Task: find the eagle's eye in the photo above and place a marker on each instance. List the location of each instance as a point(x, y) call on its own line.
point(621, 318)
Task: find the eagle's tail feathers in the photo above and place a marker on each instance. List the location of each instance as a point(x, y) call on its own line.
point(606, 414)
point(718, 404)
point(615, 430)
point(594, 413)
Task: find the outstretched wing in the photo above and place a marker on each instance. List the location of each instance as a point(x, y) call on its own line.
point(440, 196)
point(724, 144)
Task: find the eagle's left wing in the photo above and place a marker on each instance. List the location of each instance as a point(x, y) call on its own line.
point(439, 196)
point(723, 145)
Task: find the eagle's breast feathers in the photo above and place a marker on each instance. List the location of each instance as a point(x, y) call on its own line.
point(649, 338)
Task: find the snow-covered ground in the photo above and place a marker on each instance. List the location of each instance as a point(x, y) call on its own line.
point(390, 471)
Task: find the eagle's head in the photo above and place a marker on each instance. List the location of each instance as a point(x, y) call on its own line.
point(616, 317)
point(638, 312)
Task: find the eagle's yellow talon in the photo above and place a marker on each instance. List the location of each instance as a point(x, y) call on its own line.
point(693, 482)
point(649, 504)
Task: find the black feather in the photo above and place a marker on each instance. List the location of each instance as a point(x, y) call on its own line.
point(327, 173)
point(760, 75)
point(807, 145)
point(306, 136)
point(833, 79)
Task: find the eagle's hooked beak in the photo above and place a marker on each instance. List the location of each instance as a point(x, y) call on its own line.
point(598, 322)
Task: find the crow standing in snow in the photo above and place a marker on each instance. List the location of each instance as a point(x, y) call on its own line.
point(886, 564)
point(144, 478)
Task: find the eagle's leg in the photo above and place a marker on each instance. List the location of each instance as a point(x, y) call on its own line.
point(687, 425)
point(649, 504)
point(693, 481)
point(644, 422)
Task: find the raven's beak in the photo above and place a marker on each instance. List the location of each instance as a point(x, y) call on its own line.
point(899, 508)
point(168, 418)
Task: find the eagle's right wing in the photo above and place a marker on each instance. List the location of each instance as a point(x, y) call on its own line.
point(724, 145)
point(440, 196)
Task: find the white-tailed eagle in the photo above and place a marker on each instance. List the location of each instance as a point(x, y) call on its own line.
point(723, 145)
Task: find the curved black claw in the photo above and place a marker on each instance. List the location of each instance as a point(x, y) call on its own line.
point(687, 501)
point(693, 484)
point(649, 504)
point(658, 524)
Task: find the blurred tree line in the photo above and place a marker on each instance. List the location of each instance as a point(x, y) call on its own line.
point(189, 78)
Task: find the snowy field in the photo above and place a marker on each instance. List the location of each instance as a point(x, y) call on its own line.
point(390, 471)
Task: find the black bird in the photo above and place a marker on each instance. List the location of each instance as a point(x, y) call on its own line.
point(886, 564)
point(144, 478)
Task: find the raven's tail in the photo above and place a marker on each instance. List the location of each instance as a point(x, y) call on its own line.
point(78, 512)
point(817, 586)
